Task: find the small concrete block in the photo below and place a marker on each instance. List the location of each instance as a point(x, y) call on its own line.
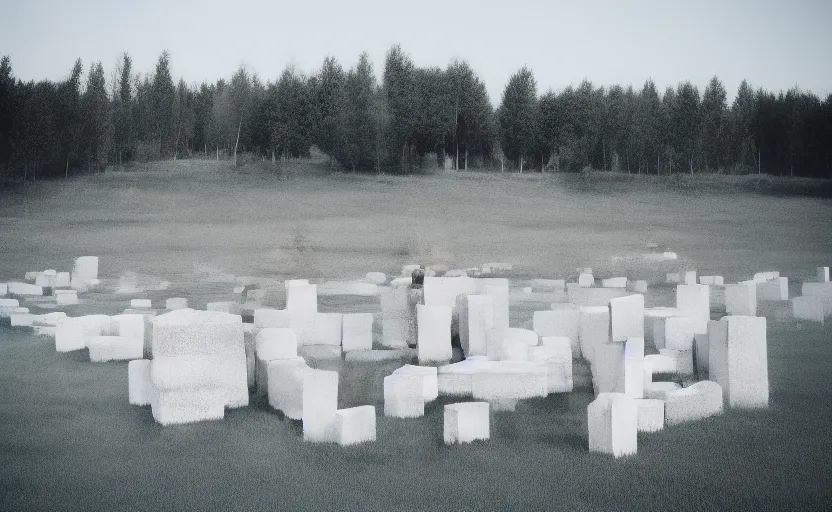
point(612, 421)
point(355, 425)
point(466, 422)
point(650, 415)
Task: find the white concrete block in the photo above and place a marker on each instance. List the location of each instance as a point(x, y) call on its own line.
point(673, 278)
point(139, 386)
point(74, 333)
point(651, 317)
point(683, 360)
point(457, 379)
point(355, 425)
point(285, 386)
point(268, 317)
point(650, 415)
point(182, 406)
point(690, 277)
point(638, 286)
point(701, 349)
point(302, 305)
point(585, 280)
point(115, 348)
point(694, 300)
point(429, 376)
point(593, 296)
point(612, 421)
point(594, 329)
point(741, 299)
point(327, 329)
point(634, 367)
point(141, 303)
point(614, 282)
point(20, 317)
point(510, 381)
point(692, 403)
point(66, 299)
point(677, 332)
point(434, 332)
point(514, 350)
point(659, 390)
point(555, 354)
point(738, 360)
point(822, 291)
point(476, 316)
point(15, 288)
point(129, 326)
point(396, 316)
point(320, 403)
point(176, 303)
point(62, 280)
point(808, 308)
point(627, 317)
point(662, 363)
point(466, 422)
point(276, 343)
point(562, 322)
point(549, 285)
point(774, 289)
point(404, 395)
point(357, 331)
point(85, 268)
point(760, 277)
point(823, 274)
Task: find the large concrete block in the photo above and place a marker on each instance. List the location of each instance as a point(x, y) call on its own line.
point(822, 291)
point(285, 386)
point(594, 329)
point(466, 422)
point(404, 395)
point(627, 317)
point(182, 406)
point(555, 354)
point(357, 333)
point(434, 332)
point(774, 289)
point(276, 343)
point(355, 425)
point(808, 308)
point(741, 299)
point(15, 288)
point(429, 376)
point(85, 268)
point(508, 381)
point(396, 316)
point(327, 329)
point(320, 403)
point(612, 421)
point(683, 360)
point(694, 301)
point(457, 379)
point(476, 316)
point(115, 348)
point(561, 322)
point(675, 332)
point(738, 360)
point(302, 305)
point(692, 403)
point(498, 290)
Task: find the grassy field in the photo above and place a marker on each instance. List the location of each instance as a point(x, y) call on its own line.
point(69, 440)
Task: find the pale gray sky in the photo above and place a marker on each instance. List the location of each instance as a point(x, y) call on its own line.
point(774, 44)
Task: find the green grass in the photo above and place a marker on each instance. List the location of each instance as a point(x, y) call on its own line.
point(70, 441)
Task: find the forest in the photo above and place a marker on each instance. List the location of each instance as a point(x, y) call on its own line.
point(416, 119)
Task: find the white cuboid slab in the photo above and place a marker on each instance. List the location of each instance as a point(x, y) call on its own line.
point(115, 348)
point(404, 395)
point(357, 331)
point(692, 403)
point(176, 303)
point(738, 360)
point(476, 316)
point(141, 303)
point(139, 384)
point(376, 277)
point(514, 350)
point(15, 288)
point(302, 305)
point(741, 299)
point(561, 322)
point(320, 403)
point(674, 332)
point(355, 425)
point(612, 421)
point(808, 308)
point(509, 381)
point(457, 379)
point(74, 333)
point(182, 406)
point(694, 301)
point(285, 386)
point(434, 332)
point(269, 317)
point(594, 329)
point(66, 297)
point(614, 282)
point(466, 422)
point(430, 379)
point(555, 354)
point(650, 415)
point(498, 290)
point(627, 317)
point(634, 367)
point(327, 329)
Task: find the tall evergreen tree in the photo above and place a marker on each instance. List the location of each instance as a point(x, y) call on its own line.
point(518, 118)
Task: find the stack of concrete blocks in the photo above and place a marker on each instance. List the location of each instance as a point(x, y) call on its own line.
point(15, 288)
point(694, 301)
point(404, 395)
point(586, 280)
point(741, 298)
point(396, 316)
point(614, 282)
point(285, 386)
point(320, 405)
point(139, 382)
point(355, 425)
point(434, 334)
point(357, 332)
point(593, 329)
point(776, 289)
point(199, 365)
point(272, 343)
point(507, 382)
point(821, 291)
point(84, 273)
point(456, 379)
point(555, 353)
point(808, 308)
point(563, 320)
point(627, 317)
point(695, 402)
point(738, 360)
point(123, 342)
point(75, 333)
point(650, 414)
point(466, 422)
point(66, 297)
point(612, 421)
point(476, 317)
point(429, 376)
point(653, 316)
point(176, 303)
point(302, 305)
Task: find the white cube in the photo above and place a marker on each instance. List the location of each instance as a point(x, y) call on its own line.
point(738, 360)
point(690, 277)
point(651, 317)
point(694, 300)
point(85, 268)
point(320, 403)
point(683, 360)
point(741, 299)
point(404, 395)
point(466, 422)
point(355, 425)
point(430, 381)
point(695, 402)
point(498, 290)
point(434, 331)
point(586, 280)
point(627, 317)
point(823, 291)
point(612, 420)
point(561, 322)
point(650, 415)
point(327, 329)
point(357, 333)
point(285, 386)
point(62, 280)
point(139, 385)
point(808, 308)
point(678, 333)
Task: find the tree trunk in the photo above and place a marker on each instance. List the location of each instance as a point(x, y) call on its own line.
point(218, 152)
point(66, 171)
point(239, 127)
point(466, 157)
point(521, 165)
point(502, 164)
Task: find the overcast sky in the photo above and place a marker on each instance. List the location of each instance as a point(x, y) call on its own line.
point(773, 44)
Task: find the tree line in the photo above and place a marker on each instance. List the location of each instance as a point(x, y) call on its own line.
point(415, 118)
